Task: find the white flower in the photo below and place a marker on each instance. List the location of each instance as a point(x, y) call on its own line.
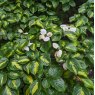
point(20, 30)
point(25, 33)
point(41, 37)
point(64, 27)
point(43, 31)
point(46, 39)
point(65, 66)
point(58, 53)
point(26, 48)
point(55, 45)
point(49, 34)
point(68, 28)
point(72, 29)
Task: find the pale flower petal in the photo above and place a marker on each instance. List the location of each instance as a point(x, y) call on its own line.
point(43, 31)
point(41, 37)
point(26, 48)
point(55, 45)
point(49, 34)
point(20, 30)
point(65, 66)
point(58, 53)
point(46, 39)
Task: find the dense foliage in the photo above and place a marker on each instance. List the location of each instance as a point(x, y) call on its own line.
point(46, 47)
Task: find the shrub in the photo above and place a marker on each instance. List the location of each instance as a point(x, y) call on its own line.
point(46, 47)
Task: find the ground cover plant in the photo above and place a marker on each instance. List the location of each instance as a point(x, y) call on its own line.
point(46, 47)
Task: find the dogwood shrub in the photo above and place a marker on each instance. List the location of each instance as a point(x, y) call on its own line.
point(46, 47)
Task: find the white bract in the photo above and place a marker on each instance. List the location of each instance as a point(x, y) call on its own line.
point(58, 53)
point(41, 37)
point(65, 66)
point(68, 28)
point(20, 30)
point(55, 45)
point(46, 39)
point(49, 34)
point(43, 31)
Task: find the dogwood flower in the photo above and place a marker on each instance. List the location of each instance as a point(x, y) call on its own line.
point(68, 28)
point(64, 66)
point(55, 45)
point(43, 31)
point(44, 35)
point(58, 53)
point(20, 30)
point(46, 39)
point(49, 34)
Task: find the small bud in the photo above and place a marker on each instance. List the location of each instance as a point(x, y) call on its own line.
point(55, 45)
point(20, 30)
point(58, 53)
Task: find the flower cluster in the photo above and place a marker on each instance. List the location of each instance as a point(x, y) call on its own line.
point(44, 35)
point(68, 28)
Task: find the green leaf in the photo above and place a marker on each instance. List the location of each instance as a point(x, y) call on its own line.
point(34, 67)
point(45, 59)
point(78, 90)
point(3, 63)
point(33, 87)
point(75, 65)
point(71, 47)
point(23, 60)
point(45, 83)
point(54, 72)
point(58, 84)
point(88, 83)
point(72, 3)
point(14, 84)
point(55, 3)
point(13, 75)
point(14, 65)
point(3, 78)
point(90, 14)
point(28, 79)
point(8, 91)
